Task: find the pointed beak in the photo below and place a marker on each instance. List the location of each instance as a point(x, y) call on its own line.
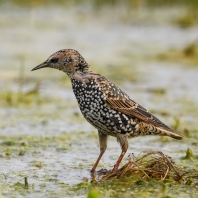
point(42, 65)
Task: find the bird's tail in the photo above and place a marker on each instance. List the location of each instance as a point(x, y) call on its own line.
point(170, 134)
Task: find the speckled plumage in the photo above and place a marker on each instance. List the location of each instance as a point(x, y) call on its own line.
point(104, 105)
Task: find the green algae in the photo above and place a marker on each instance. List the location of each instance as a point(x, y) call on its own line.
point(119, 75)
point(188, 19)
point(188, 55)
point(176, 124)
point(20, 187)
point(135, 187)
point(189, 155)
point(30, 98)
point(93, 193)
point(158, 91)
point(122, 187)
point(38, 164)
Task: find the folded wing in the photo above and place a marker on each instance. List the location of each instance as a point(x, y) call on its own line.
point(119, 100)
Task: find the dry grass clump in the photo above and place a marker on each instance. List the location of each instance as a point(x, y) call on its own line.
point(153, 165)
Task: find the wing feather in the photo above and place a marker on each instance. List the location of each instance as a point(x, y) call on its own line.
point(119, 100)
point(132, 109)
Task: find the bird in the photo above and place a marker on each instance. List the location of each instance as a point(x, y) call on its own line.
point(105, 106)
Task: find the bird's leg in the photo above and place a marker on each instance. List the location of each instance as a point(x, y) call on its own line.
point(122, 140)
point(103, 146)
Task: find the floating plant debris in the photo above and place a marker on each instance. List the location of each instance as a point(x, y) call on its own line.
point(153, 165)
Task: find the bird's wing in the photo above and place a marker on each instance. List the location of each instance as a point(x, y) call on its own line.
point(119, 100)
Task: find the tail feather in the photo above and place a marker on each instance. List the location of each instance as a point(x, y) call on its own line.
point(170, 134)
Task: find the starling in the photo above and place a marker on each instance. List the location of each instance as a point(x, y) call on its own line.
point(104, 105)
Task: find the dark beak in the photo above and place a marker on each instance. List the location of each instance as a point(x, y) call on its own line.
point(42, 65)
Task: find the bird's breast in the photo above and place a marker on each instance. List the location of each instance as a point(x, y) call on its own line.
point(89, 96)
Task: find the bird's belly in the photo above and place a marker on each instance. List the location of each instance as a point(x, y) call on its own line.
point(106, 120)
point(95, 115)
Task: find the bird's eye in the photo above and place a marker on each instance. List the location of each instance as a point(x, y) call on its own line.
point(54, 60)
point(70, 59)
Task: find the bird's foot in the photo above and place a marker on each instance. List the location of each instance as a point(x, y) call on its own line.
point(102, 172)
point(115, 169)
point(93, 172)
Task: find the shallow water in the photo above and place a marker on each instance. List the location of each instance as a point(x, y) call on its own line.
point(43, 136)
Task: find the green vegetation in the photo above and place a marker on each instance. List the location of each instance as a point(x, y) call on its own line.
point(189, 155)
point(93, 193)
point(150, 3)
point(186, 56)
point(134, 183)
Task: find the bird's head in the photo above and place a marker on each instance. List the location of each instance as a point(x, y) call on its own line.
point(66, 60)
